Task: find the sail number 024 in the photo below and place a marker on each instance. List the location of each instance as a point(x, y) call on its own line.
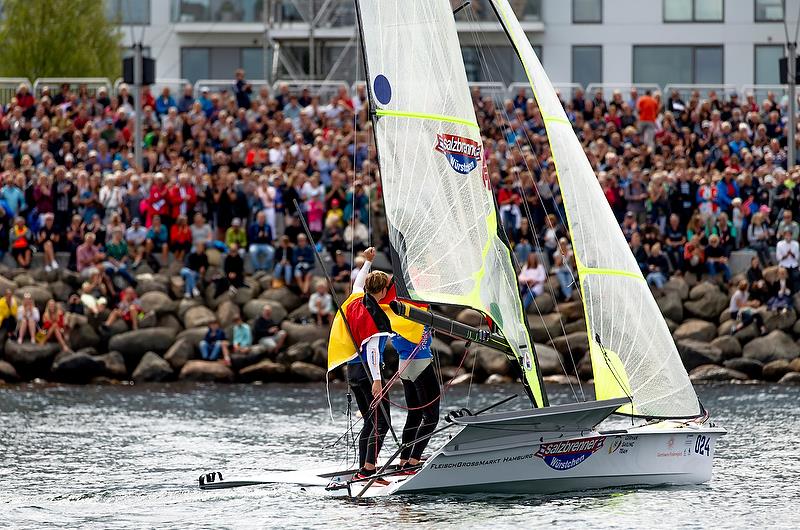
point(702, 446)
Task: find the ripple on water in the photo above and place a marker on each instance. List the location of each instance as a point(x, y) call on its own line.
point(122, 457)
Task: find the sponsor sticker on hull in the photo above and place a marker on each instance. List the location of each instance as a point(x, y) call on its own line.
point(463, 154)
point(570, 453)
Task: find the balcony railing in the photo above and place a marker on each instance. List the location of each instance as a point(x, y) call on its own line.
point(339, 13)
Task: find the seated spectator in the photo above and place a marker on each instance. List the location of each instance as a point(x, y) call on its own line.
point(674, 242)
point(717, 259)
point(304, 264)
point(117, 258)
point(758, 236)
point(638, 251)
point(744, 311)
point(129, 309)
point(657, 267)
point(562, 267)
point(214, 343)
point(787, 253)
point(92, 299)
point(755, 277)
point(89, 257)
point(194, 272)
point(261, 250)
point(8, 311)
point(135, 237)
point(356, 235)
point(781, 292)
point(21, 241)
point(694, 256)
point(27, 319)
point(242, 336)
point(180, 238)
point(233, 268)
point(320, 303)
point(47, 240)
point(235, 235)
point(531, 279)
point(787, 223)
point(284, 262)
point(157, 240)
point(54, 325)
point(201, 231)
point(266, 331)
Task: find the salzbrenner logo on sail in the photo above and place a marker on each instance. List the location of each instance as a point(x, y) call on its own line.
point(462, 153)
point(568, 454)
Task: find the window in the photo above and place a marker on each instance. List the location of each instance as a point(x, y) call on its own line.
point(221, 10)
point(766, 64)
point(665, 65)
point(693, 11)
point(220, 63)
point(587, 64)
point(587, 11)
point(769, 10)
point(129, 12)
point(495, 64)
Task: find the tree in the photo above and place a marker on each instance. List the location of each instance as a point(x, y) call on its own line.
point(58, 38)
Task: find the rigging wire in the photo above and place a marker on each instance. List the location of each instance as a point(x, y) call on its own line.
point(484, 64)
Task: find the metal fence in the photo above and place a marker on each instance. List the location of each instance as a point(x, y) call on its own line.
point(9, 87)
point(92, 84)
point(703, 91)
point(625, 89)
point(324, 89)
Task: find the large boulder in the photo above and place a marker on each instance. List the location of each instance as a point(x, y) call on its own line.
point(133, 344)
point(148, 283)
point(492, 361)
point(775, 345)
point(169, 321)
point(179, 353)
point(8, 373)
point(307, 372)
point(678, 285)
point(544, 327)
point(783, 320)
point(729, 346)
point(774, 370)
point(570, 310)
point(696, 353)
point(301, 351)
point(209, 371)
point(7, 285)
point(284, 296)
point(61, 291)
point(712, 372)
point(76, 367)
point(226, 312)
point(31, 360)
point(695, 329)
point(158, 302)
point(470, 317)
point(152, 369)
point(549, 359)
point(791, 378)
point(751, 367)
point(671, 305)
point(253, 308)
point(576, 344)
point(113, 365)
point(266, 371)
point(84, 336)
point(710, 303)
point(193, 335)
point(576, 325)
point(198, 316)
point(303, 332)
point(543, 303)
point(794, 365)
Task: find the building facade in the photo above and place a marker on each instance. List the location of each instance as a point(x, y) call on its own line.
point(735, 42)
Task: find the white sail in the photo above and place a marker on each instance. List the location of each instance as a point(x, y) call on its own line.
point(439, 204)
point(636, 355)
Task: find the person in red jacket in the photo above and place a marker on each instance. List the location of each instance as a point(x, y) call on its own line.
point(157, 202)
point(181, 196)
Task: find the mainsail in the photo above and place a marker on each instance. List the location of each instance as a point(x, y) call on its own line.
point(636, 356)
point(443, 226)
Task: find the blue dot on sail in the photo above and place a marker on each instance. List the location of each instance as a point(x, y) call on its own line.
point(382, 89)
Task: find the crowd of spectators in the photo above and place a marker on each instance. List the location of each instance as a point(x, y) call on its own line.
point(690, 180)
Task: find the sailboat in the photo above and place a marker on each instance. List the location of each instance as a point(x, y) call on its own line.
point(448, 247)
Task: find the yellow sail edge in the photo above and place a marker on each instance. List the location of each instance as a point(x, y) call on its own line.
point(426, 116)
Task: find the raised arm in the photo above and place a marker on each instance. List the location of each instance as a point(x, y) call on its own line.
point(361, 278)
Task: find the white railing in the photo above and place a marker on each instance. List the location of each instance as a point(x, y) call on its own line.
point(323, 89)
point(497, 91)
point(92, 84)
point(703, 91)
point(762, 92)
point(625, 89)
point(9, 86)
point(565, 90)
point(224, 85)
point(175, 86)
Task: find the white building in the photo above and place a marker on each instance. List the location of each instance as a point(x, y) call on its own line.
point(735, 42)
